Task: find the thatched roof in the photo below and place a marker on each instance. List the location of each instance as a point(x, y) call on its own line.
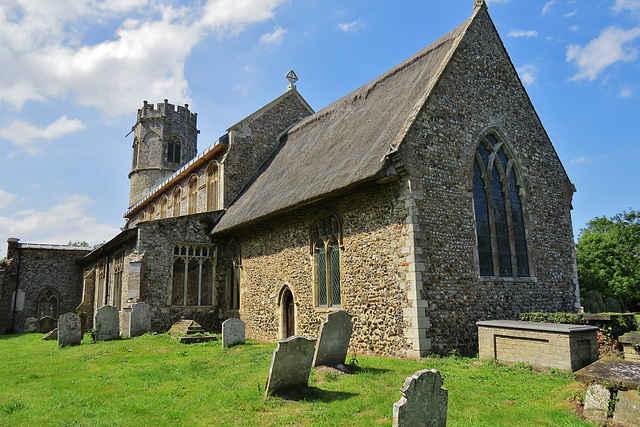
point(345, 144)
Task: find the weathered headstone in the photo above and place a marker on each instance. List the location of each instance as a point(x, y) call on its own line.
point(593, 302)
point(53, 335)
point(596, 403)
point(424, 401)
point(46, 324)
point(30, 325)
point(233, 332)
point(612, 305)
point(627, 411)
point(135, 320)
point(333, 339)
point(69, 330)
point(290, 364)
point(106, 326)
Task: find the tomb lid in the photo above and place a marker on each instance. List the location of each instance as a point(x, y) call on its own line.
point(630, 338)
point(536, 326)
point(622, 374)
point(185, 327)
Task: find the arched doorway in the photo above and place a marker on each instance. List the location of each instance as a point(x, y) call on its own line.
point(287, 313)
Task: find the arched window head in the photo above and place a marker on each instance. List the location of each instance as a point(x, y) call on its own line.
point(174, 146)
point(193, 195)
point(152, 212)
point(325, 236)
point(213, 187)
point(142, 217)
point(500, 231)
point(164, 206)
point(48, 303)
point(177, 196)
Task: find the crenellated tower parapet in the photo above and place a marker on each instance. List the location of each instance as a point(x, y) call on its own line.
point(165, 138)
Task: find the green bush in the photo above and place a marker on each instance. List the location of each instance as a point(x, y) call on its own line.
point(571, 318)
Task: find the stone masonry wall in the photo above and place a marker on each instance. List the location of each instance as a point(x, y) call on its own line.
point(41, 269)
point(478, 92)
point(373, 271)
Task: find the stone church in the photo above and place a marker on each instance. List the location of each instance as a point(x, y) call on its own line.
point(422, 202)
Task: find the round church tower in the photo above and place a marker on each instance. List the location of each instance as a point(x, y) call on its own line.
point(164, 140)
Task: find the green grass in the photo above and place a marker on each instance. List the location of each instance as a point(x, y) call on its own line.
point(153, 380)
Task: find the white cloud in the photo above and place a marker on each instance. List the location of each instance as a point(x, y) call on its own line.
point(43, 56)
point(6, 198)
point(528, 73)
point(351, 27)
point(276, 37)
point(574, 28)
point(523, 33)
point(24, 134)
point(571, 14)
point(59, 224)
point(602, 52)
point(631, 5)
point(581, 159)
point(547, 6)
point(626, 93)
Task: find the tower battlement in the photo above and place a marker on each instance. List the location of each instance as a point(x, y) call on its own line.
point(167, 110)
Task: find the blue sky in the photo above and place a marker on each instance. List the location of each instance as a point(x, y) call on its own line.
point(74, 73)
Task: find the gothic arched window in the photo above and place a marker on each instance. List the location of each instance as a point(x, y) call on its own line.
point(325, 237)
point(502, 246)
point(212, 187)
point(48, 303)
point(193, 195)
point(164, 206)
point(152, 212)
point(173, 149)
point(177, 195)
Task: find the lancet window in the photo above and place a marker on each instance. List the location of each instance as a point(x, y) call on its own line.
point(325, 237)
point(173, 149)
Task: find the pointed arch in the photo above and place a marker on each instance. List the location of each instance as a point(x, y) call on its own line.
point(48, 303)
point(287, 307)
point(192, 194)
point(498, 208)
point(164, 206)
point(325, 241)
point(152, 212)
point(213, 186)
point(174, 149)
point(177, 197)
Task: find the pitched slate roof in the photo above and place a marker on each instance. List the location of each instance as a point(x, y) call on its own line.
point(345, 144)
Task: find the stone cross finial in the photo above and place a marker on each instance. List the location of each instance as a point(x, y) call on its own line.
point(478, 3)
point(291, 76)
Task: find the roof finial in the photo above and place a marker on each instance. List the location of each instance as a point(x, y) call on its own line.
point(291, 76)
point(478, 4)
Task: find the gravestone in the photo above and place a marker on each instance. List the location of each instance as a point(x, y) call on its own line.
point(46, 324)
point(135, 320)
point(596, 403)
point(612, 305)
point(233, 332)
point(69, 330)
point(627, 408)
point(53, 335)
point(106, 325)
point(333, 339)
point(290, 364)
point(424, 401)
point(593, 302)
point(30, 325)
point(185, 327)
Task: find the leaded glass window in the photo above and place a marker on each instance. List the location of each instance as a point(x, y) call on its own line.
point(173, 150)
point(213, 187)
point(193, 273)
point(500, 230)
point(325, 235)
point(48, 304)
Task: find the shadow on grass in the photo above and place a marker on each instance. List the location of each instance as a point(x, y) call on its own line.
point(314, 394)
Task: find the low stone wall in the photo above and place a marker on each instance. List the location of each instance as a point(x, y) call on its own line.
point(560, 346)
point(630, 343)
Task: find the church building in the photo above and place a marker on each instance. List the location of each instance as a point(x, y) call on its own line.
point(422, 202)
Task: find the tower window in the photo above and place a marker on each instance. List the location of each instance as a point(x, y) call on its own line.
point(500, 232)
point(173, 150)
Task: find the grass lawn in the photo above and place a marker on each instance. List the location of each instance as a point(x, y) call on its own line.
point(153, 380)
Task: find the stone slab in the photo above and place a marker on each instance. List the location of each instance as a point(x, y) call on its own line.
point(197, 339)
point(53, 335)
point(596, 403)
point(107, 324)
point(629, 339)
point(624, 373)
point(185, 327)
point(290, 364)
point(30, 325)
point(46, 324)
point(140, 319)
point(233, 332)
point(424, 401)
point(333, 339)
point(69, 330)
point(627, 411)
point(536, 326)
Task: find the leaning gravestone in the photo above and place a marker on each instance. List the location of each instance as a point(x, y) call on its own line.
point(30, 325)
point(424, 401)
point(140, 319)
point(69, 330)
point(333, 341)
point(51, 336)
point(233, 332)
point(46, 324)
point(107, 325)
point(290, 364)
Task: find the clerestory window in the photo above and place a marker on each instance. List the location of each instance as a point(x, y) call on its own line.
point(500, 230)
point(192, 189)
point(173, 149)
point(212, 187)
point(325, 237)
point(177, 195)
point(193, 274)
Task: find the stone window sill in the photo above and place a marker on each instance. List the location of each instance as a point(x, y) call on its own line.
point(482, 279)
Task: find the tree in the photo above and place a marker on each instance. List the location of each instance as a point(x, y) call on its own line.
point(608, 256)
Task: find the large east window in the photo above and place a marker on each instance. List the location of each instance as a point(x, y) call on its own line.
point(325, 238)
point(193, 274)
point(500, 229)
